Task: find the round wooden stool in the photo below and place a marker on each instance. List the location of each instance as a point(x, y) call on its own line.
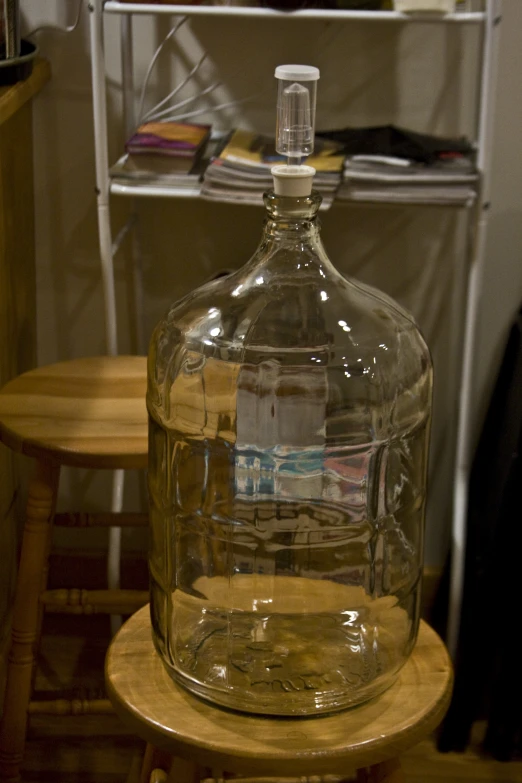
point(367, 738)
point(86, 413)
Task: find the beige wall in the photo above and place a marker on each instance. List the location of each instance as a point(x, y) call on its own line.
point(422, 77)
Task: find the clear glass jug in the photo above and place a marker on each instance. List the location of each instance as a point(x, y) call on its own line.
point(289, 419)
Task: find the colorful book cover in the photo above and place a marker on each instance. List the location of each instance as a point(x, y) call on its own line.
point(168, 138)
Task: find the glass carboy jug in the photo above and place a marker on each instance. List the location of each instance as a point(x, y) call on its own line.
point(289, 414)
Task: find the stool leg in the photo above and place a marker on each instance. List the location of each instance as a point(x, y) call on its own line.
point(26, 615)
point(184, 771)
point(45, 572)
point(153, 759)
point(385, 772)
point(176, 769)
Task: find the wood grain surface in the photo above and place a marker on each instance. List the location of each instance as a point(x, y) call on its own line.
point(15, 96)
point(167, 716)
point(85, 412)
point(17, 302)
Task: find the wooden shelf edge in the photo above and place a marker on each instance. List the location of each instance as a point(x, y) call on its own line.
point(13, 97)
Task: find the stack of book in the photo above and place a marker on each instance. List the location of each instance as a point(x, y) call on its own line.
point(381, 178)
point(164, 153)
point(241, 172)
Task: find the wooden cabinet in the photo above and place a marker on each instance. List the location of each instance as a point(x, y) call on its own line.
point(17, 298)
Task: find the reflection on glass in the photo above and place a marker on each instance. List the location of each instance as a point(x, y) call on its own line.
point(288, 443)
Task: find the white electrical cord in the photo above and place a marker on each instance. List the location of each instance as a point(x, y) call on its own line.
point(156, 113)
point(207, 110)
point(153, 62)
point(180, 105)
point(56, 28)
point(114, 546)
point(149, 114)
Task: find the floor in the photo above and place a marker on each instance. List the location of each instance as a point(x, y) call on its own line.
point(98, 749)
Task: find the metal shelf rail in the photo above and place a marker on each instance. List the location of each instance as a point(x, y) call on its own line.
point(489, 19)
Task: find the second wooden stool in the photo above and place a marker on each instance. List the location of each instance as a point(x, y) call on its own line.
point(87, 413)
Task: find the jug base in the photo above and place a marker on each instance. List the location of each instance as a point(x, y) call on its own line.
point(303, 704)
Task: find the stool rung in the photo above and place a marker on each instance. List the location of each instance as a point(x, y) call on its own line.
point(76, 601)
point(81, 519)
point(234, 778)
point(71, 707)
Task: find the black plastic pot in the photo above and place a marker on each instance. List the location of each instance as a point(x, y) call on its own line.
point(16, 69)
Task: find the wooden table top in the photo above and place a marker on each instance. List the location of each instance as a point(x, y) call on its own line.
point(166, 715)
point(87, 412)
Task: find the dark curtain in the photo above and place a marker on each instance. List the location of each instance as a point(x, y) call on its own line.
point(488, 669)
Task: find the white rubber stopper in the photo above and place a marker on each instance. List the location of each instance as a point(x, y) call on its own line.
point(293, 181)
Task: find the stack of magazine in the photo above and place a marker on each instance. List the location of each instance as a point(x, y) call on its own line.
point(241, 172)
point(392, 179)
point(166, 154)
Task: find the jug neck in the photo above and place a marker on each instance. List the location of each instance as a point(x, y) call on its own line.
point(292, 217)
point(291, 240)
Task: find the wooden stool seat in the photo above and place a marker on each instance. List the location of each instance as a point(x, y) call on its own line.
point(168, 717)
point(85, 412)
point(88, 413)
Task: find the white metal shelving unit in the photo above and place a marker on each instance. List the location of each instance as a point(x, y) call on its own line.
point(117, 7)
point(489, 19)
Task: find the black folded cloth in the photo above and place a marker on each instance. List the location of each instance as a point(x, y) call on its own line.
point(488, 675)
point(398, 142)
